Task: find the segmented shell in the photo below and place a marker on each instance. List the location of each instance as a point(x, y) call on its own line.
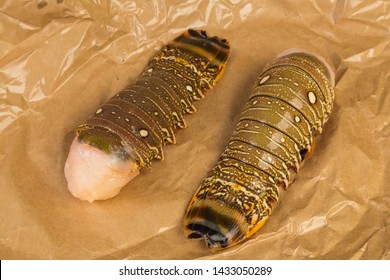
point(138, 121)
point(290, 102)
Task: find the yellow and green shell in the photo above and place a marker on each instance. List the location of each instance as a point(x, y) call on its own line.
point(290, 103)
point(137, 122)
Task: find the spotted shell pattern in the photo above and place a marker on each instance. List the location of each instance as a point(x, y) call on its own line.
point(138, 121)
point(290, 103)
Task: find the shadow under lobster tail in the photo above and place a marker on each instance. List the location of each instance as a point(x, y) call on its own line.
point(220, 224)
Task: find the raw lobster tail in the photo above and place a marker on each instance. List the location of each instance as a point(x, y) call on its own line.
point(135, 124)
point(138, 121)
point(289, 104)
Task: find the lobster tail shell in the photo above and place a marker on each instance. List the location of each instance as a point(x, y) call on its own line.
point(136, 123)
point(290, 103)
point(145, 115)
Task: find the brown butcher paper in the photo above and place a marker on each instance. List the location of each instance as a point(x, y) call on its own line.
point(60, 60)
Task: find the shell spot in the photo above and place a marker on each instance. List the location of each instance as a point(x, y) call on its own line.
point(155, 113)
point(143, 132)
point(282, 108)
point(150, 70)
point(282, 140)
point(254, 219)
point(99, 111)
point(312, 97)
point(189, 88)
point(113, 112)
point(263, 80)
point(297, 119)
point(254, 102)
point(127, 119)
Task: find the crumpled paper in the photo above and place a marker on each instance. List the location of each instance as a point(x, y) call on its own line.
point(59, 60)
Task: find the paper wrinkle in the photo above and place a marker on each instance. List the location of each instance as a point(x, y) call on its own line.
point(60, 60)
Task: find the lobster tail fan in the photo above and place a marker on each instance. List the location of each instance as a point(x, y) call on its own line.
point(213, 53)
point(219, 223)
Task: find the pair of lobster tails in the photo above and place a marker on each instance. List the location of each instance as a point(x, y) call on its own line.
point(289, 104)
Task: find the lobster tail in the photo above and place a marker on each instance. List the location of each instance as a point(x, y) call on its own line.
point(290, 102)
point(136, 123)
